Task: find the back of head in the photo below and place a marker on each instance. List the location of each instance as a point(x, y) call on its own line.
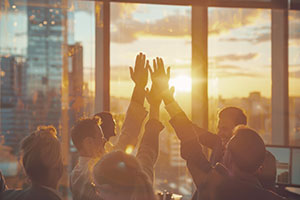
point(247, 149)
point(234, 113)
point(267, 175)
point(83, 128)
point(107, 125)
point(123, 173)
point(42, 153)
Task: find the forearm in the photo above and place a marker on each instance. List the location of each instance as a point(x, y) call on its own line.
point(191, 150)
point(131, 128)
point(148, 151)
point(154, 112)
point(138, 95)
point(207, 138)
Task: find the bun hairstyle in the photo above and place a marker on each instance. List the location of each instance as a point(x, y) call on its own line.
point(124, 173)
point(41, 152)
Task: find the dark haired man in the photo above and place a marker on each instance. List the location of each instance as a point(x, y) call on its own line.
point(228, 119)
point(108, 125)
point(244, 154)
point(81, 176)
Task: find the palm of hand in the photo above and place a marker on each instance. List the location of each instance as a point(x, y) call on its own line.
point(140, 72)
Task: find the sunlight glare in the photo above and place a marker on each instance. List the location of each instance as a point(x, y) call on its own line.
point(129, 149)
point(181, 83)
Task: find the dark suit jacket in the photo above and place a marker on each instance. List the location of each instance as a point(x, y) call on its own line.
point(32, 193)
point(2, 183)
point(213, 182)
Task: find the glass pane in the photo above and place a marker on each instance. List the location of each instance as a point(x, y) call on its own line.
point(162, 31)
point(282, 156)
point(239, 50)
point(294, 77)
point(295, 166)
point(39, 86)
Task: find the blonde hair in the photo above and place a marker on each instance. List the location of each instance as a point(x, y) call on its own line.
point(41, 152)
point(125, 174)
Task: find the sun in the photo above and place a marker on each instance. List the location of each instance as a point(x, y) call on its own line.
point(181, 83)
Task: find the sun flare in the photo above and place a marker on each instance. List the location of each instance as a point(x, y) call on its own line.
point(181, 83)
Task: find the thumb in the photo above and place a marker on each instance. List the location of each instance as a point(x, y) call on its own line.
point(131, 72)
point(172, 90)
point(147, 91)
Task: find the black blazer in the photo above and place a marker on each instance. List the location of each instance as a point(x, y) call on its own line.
point(32, 193)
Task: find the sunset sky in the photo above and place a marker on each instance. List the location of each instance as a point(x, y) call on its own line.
point(239, 45)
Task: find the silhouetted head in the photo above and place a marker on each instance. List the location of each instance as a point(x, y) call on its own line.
point(229, 118)
point(245, 151)
point(108, 124)
point(42, 157)
point(267, 174)
point(87, 136)
point(119, 176)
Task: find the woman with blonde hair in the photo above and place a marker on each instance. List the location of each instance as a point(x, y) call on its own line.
point(42, 163)
point(119, 176)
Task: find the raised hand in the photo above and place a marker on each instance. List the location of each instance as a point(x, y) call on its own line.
point(154, 95)
point(139, 74)
point(160, 78)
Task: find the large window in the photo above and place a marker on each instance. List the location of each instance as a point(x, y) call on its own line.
point(162, 31)
point(48, 69)
point(239, 69)
point(47, 60)
point(294, 77)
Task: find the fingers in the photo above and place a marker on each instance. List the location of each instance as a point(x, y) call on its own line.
point(168, 72)
point(161, 62)
point(159, 66)
point(143, 59)
point(149, 67)
point(131, 72)
point(137, 59)
point(154, 65)
point(140, 61)
point(172, 90)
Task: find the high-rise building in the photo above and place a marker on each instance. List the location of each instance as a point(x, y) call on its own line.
point(76, 97)
point(14, 115)
point(45, 43)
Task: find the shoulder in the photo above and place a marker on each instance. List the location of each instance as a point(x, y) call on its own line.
point(12, 194)
point(29, 194)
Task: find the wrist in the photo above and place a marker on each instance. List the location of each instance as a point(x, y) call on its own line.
point(140, 86)
point(167, 97)
point(138, 95)
point(154, 111)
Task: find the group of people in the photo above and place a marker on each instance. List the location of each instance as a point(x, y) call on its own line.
point(239, 166)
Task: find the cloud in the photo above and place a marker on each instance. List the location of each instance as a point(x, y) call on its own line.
point(222, 21)
point(229, 67)
point(122, 11)
point(235, 57)
point(126, 29)
point(117, 10)
point(232, 39)
point(235, 72)
point(263, 35)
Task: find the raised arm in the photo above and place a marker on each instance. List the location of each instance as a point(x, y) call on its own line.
point(136, 112)
point(149, 147)
point(211, 141)
point(191, 150)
